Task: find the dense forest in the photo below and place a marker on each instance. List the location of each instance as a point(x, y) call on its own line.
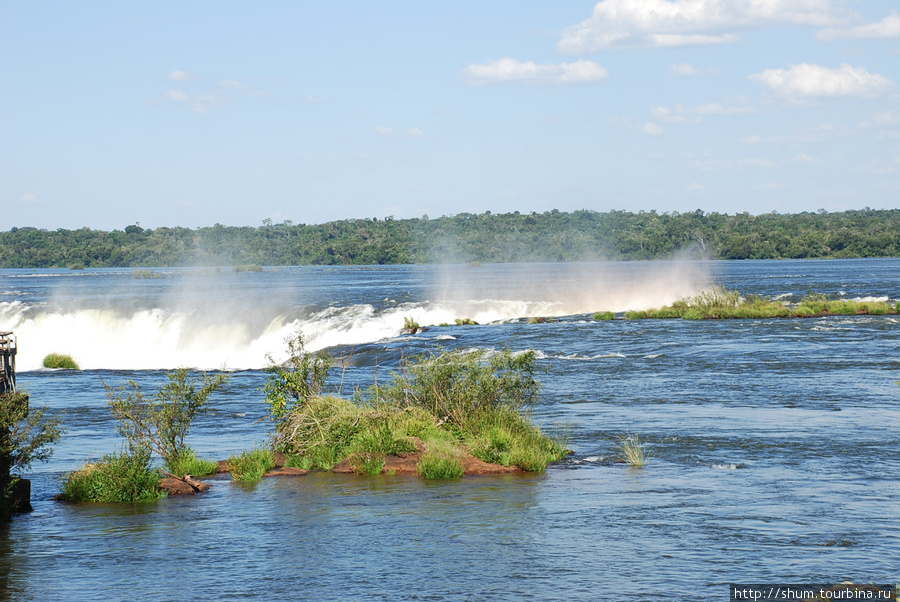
point(511, 237)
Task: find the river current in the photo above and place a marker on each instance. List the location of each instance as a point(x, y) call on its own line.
point(775, 449)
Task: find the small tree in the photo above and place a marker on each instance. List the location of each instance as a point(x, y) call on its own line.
point(302, 376)
point(26, 436)
point(162, 421)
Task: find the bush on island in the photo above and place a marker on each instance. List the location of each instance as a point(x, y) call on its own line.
point(59, 361)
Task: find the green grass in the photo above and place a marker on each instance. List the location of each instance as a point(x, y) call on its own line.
point(247, 268)
point(604, 315)
point(189, 463)
point(251, 465)
point(124, 477)
point(465, 322)
point(410, 323)
point(366, 463)
point(435, 466)
point(632, 450)
point(60, 361)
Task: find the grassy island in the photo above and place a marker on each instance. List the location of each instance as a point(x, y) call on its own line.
point(719, 303)
point(442, 409)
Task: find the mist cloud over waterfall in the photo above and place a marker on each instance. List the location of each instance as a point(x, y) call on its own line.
point(107, 319)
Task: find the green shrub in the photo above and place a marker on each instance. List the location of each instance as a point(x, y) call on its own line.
point(247, 268)
point(146, 275)
point(459, 386)
point(466, 322)
point(60, 361)
point(410, 324)
point(292, 383)
point(189, 463)
point(124, 477)
point(604, 315)
point(251, 465)
point(162, 421)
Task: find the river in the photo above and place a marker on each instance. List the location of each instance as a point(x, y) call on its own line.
point(775, 447)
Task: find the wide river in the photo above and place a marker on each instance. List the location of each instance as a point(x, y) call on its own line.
point(775, 443)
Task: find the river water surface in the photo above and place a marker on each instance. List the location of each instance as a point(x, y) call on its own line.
point(775, 443)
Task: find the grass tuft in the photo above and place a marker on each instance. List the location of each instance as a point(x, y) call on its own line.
point(604, 315)
point(189, 463)
point(435, 466)
point(632, 449)
point(60, 361)
point(251, 465)
point(366, 463)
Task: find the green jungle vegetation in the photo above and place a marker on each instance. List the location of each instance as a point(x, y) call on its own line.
point(496, 238)
point(720, 303)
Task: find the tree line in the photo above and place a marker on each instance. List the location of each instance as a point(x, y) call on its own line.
point(511, 237)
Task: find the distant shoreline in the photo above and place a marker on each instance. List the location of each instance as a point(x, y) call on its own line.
point(553, 236)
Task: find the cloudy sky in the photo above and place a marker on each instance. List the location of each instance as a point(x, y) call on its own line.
point(195, 113)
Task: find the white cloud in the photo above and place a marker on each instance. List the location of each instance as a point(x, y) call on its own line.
point(29, 198)
point(507, 70)
point(179, 76)
point(312, 99)
point(662, 23)
point(696, 186)
point(682, 114)
point(688, 70)
point(201, 103)
point(726, 164)
point(882, 120)
point(804, 159)
point(814, 80)
point(399, 133)
point(233, 85)
point(652, 129)
point(760, 163)
point(887, 28)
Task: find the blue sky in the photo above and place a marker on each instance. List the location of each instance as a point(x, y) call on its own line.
point(195, 113)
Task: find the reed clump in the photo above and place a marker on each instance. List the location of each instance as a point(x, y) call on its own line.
point(448, 403)
point(146, 275)
point(60, 361)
